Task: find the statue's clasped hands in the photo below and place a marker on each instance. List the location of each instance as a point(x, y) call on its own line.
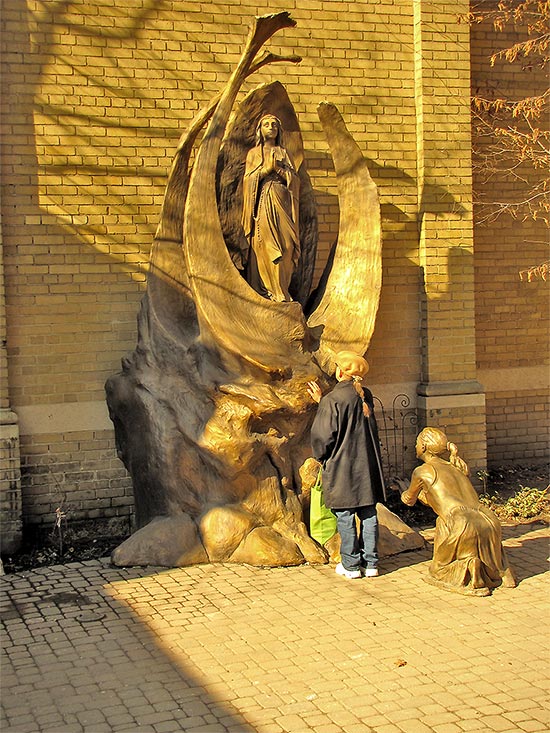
point(314, 391)
point(273, 165)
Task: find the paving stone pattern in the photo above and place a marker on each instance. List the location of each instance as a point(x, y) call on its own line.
point(89, 648)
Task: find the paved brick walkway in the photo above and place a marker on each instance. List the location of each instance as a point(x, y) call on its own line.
point(90, 648)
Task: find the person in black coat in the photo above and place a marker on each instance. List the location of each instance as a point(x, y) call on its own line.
point(344, 439)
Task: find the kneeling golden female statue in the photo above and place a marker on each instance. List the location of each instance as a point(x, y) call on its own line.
point(468, 554)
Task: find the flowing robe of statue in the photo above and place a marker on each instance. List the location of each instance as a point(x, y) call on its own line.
point(468, 552)
point(211, 411)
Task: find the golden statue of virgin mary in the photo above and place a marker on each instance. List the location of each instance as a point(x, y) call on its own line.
point(271, 189)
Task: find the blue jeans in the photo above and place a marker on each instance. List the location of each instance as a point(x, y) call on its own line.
point(358, 551)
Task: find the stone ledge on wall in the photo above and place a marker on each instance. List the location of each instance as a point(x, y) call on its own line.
point(65, 417)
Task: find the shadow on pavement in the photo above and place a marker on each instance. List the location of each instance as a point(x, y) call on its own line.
point(93, 665)
point(88, 648)
point(528, 556)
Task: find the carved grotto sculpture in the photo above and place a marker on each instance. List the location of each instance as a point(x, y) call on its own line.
point(211, 411)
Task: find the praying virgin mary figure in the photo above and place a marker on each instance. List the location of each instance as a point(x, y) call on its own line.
point(270, 212)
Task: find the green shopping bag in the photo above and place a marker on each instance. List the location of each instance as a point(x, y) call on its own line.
point(322, 522)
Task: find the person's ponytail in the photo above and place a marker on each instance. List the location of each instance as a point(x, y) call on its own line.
point(359, 389)
point(455, 460)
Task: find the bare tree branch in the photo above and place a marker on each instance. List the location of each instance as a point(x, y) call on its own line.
point(511, 140)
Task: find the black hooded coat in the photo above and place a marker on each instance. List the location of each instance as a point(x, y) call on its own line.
point(346, 444)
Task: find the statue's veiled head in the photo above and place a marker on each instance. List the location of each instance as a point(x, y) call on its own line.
point(266, 127)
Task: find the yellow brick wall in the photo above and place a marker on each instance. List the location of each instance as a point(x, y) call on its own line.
point(444, 192)
point(512, 317)
point(518, 427)
point(4, 393)
point(95, 97)
point(99, 99)
point(10, 458)
point(78, 472)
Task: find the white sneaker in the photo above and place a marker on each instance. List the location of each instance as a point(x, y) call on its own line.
point(369, 572)
point(351, 574)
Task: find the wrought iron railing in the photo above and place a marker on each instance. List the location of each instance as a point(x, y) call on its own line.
point(397, 429)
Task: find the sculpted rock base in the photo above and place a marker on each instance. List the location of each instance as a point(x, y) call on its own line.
point(394, 535)
point(165, 541)
point(230, 534)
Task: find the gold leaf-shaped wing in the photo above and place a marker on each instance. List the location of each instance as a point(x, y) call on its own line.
point(346, 313)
